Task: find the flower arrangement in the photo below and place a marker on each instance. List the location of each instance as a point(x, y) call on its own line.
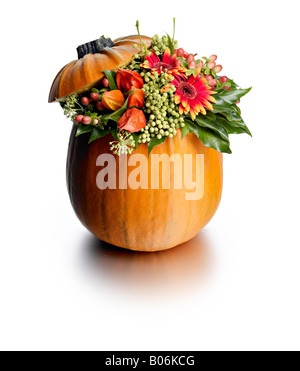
point(161, 91)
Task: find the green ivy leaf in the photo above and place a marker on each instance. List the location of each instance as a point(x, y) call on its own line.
point(155, 142)
point(209, 137)
point(184, 131)
point(114, 132)
point(233, 95)
point(84, 129)
point(232, 127)
point(235, 120)
point(115, 116)
point(209, 121)
point(221, 106)
point(98, 133)
point(111, 77)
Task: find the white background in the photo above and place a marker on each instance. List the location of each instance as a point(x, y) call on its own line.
point(236, 286)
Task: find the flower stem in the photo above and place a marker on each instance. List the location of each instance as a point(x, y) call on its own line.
point(174, 20)
point(138, 30)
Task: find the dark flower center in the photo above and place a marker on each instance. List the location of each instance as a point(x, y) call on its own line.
point(188, 90)
point(159, 65)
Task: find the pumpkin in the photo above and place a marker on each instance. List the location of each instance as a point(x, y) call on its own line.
point(94, 57)
point(141, 219)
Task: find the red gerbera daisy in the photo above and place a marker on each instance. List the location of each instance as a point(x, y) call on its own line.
point(167, 64)
point(193, 95)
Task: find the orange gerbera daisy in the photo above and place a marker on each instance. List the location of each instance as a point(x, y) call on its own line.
point(166, 64)
point(193, 95)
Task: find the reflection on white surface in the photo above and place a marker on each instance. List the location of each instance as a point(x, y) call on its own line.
point(180, 268)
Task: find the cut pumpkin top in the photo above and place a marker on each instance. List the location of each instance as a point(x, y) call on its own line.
point(87, 72)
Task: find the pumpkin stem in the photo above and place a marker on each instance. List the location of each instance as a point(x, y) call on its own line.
point(94, 47)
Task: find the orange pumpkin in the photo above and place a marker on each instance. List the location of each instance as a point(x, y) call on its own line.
point(141, 219)
point(87, 72)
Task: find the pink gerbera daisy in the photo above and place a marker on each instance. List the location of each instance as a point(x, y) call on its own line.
point(166, 64)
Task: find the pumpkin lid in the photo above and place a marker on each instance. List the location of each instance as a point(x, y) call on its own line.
point(94, 57)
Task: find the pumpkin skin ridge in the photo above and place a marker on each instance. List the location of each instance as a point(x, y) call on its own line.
point(145, 218)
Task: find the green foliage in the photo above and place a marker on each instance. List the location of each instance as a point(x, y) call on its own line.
point(111, 77)
point(209, 137)
point(161, 111)
point(213, 129)
point(155, 142)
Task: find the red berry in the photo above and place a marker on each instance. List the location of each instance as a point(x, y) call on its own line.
point(192, 64)
point(223, 79)
point(185, 54)
point(95, 97)
point(180, 52)
point(79, 118)
point(212, 82)
point(178, 62)
point(227, 88)
point(190, 58)
point(86, 120)
point(200, 65)
point(85, 101)
point(100, 106)
point(105, 82)
point(213, 58)
point(218, 68)
point(211, 65)
point(208, 77)
point(95, 121)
